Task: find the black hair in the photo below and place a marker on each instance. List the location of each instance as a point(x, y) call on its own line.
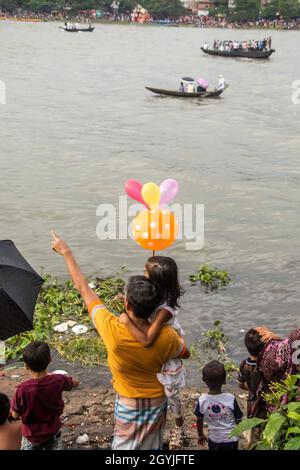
point(214, 374)
point(4, 408)
point(37, 356)
point(142, 296)
point(253, 342)
point(163, 272)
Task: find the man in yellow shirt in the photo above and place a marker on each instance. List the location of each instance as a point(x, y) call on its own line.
point(141, 406)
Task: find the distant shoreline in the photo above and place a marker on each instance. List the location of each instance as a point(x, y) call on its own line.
point(126, 23)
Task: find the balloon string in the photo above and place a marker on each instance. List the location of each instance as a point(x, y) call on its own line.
point(153, 253)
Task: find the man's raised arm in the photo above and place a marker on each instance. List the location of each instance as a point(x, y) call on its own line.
point(81, 284)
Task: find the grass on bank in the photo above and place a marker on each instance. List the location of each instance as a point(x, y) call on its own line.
point(59, 302)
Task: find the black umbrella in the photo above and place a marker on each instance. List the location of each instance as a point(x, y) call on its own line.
point(19, 288)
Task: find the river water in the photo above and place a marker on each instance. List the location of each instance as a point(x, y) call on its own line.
point(78, 123)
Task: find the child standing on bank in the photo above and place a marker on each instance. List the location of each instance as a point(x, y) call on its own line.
point(249, 377)
point(220, 410)
point(162, 271)
point(10, 432)
point(38, 401)
point(250, 380)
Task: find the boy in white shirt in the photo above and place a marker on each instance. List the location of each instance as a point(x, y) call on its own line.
point(220, 410)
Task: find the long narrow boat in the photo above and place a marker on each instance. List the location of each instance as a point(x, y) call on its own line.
point(78, 30)
point(240, 53)
point(181, 94)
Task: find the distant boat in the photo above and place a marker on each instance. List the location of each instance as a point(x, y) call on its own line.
point(183, 94)
point(74, 29)
point(250, 54)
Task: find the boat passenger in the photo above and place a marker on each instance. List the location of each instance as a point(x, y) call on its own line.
point(221, 84)
point(205, 47)
point(190, 88)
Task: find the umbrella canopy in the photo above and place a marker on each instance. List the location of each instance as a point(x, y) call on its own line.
point(202, 82)
point(188, 79)
point(19, 288)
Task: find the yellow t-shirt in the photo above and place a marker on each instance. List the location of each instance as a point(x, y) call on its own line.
point(133, 366)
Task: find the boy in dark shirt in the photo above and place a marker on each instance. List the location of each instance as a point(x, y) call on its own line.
point(249, 380)
point(38, 401)
point(249, 377)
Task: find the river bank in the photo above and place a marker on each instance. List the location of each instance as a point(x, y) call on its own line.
point(89, 409)
point(285, 26)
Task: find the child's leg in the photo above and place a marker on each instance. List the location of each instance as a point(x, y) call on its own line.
point(55, 443)
point(174, 402)
point(177, 435)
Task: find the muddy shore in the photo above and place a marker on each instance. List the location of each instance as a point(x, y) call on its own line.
point(90, 408)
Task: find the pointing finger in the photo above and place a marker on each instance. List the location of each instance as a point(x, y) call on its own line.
point(54, 236)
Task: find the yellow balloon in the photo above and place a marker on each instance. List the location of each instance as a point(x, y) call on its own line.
point(155, 229)
point(151, 195)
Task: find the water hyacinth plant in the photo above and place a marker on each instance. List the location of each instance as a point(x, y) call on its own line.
point(214, 347)
point(210, 277)
point(216, 338)
point(60, 302)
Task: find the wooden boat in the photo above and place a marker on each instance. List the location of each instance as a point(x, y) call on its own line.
point(254, 54)
point(77, 30)
point(182, 94)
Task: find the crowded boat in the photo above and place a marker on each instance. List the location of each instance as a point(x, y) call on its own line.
point(247, 45)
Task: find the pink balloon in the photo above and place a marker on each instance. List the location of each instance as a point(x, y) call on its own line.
point(134, 190)
point(168, 190)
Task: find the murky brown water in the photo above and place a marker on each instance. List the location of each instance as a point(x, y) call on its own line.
point(78, 123)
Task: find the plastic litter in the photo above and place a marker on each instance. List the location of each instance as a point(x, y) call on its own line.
point(79, 329)
point(71, 323)
point(62, 372)
point(61, 327)
point(84, 439)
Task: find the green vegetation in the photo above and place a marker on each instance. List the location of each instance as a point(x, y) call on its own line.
point(281, 430)
point(245, 10)
point(251, 10)
point(87, 351)
point(214, 347)
point(210, 277)
point(220, 8)
point(157, 8)
point(59, 302)
point(288, 9)
point(216, 338)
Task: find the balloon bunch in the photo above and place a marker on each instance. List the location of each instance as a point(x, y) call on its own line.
point(154, 228)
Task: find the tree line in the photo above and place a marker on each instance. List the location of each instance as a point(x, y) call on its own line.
point(252, 10)
point(244, 10)
point(157, 8)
